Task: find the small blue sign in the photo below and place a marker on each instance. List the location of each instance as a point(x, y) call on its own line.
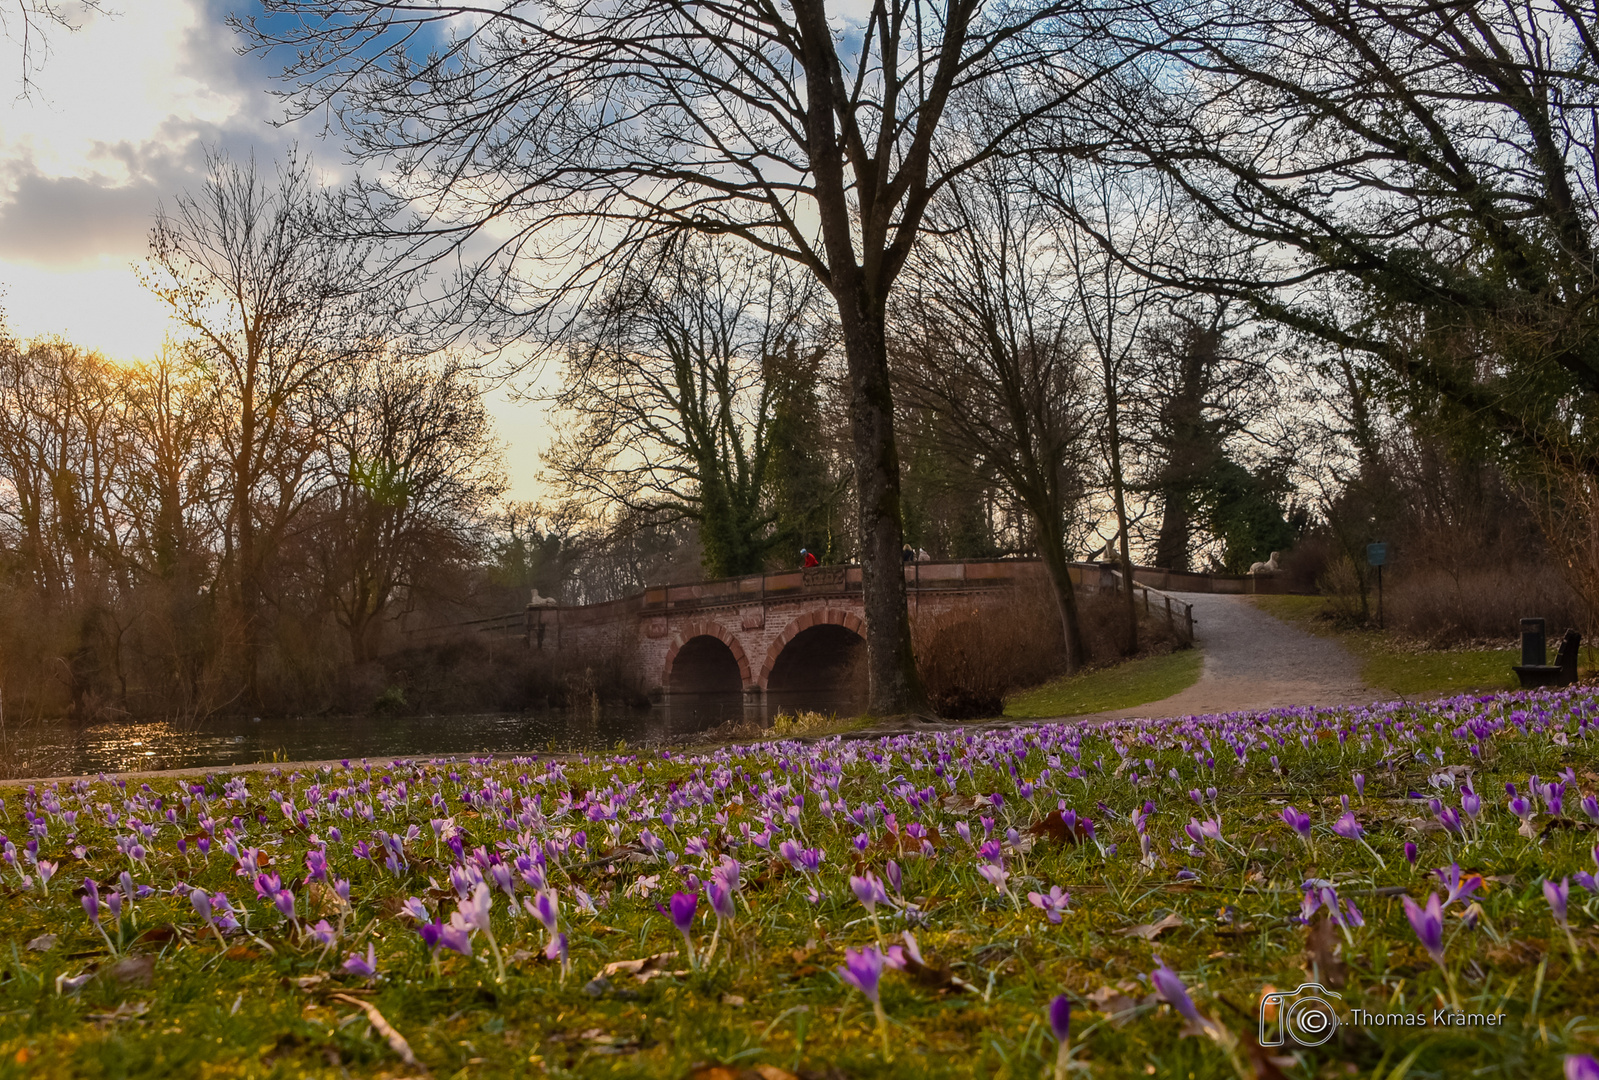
point(1376, 554)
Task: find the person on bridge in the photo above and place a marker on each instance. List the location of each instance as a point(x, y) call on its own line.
point(907, 554)
point(807, 560)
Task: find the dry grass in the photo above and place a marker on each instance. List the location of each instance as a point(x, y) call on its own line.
point(1438, 608)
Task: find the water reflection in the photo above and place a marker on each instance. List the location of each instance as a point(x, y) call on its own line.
point(66, 747)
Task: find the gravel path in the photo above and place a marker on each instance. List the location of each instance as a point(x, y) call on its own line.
point(1256, 661)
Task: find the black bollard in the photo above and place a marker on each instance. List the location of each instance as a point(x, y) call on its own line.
point(1534, 646)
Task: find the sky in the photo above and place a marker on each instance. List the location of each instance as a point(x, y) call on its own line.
point(116, 123)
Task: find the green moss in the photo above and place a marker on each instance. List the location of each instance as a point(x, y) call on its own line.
point(1388, 664)
point(1135, 682)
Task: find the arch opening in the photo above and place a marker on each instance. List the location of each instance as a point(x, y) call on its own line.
point(822, 668)
point(705, 665)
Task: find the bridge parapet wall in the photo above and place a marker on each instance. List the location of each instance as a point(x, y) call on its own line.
point(757, 616)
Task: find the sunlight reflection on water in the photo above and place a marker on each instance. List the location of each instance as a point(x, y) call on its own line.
point(66, 747)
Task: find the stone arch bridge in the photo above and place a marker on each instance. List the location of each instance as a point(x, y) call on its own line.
point(796, 631)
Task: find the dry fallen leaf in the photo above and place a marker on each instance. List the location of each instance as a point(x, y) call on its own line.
point(1151, 931)
point(1053, 825)
point(1116, 1006)
point(1322, 961)
point(42, 943)
point(643, 969)
point(133, 969)
point(734, 1000)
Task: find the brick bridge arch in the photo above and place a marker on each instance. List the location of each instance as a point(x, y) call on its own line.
point(689, 631)
point(829, 616)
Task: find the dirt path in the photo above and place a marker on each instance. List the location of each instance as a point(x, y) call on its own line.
point(1256, 661)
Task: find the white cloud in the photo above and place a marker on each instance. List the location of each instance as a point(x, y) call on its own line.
point(118, 121)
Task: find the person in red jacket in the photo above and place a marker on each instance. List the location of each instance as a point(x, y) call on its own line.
point(808, 560)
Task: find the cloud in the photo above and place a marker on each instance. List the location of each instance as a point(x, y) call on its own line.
point(76, 221)
point(123, 113)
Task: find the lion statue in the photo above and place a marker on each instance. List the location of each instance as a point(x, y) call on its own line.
point(1268, 567)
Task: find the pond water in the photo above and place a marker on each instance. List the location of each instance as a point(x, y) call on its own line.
point(65, 747)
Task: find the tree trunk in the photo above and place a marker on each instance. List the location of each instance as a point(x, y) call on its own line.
point(1052, 548)
point(1119, 490)
point(895, 685)
point(244, 523)
point(1176, 529)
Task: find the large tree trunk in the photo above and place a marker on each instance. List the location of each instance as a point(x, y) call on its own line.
point(1176, 530)
point(895, 685)
point(1052, 548)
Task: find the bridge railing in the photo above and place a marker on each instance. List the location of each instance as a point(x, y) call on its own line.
point(846, 579)
point(921, 578)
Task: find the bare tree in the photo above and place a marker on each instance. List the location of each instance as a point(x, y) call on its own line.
point(986, 341)
point(275, 304)
point(671, 399)
point(413, 469)
point(1420, 180)
point(1112, 302)
point(543, 143)
point(28, 23)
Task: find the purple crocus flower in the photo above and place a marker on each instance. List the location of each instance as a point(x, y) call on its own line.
point(1460, 886)
point(1348, 827)
point(91, 898)
point(546, 908)
point(557, 950)
point(1581, 1067)
point(1590, 806)
point(996, 876)
point(1060, 1018)
point(721, 898)
point(1175, 993)
point(1060, 1025)
point(1558, 897)
point(862, 969)
point(1299, 822)
point(1411, 853)
point(683, 907)
point(454, 936)
point(1052, 903)
point(869, 891)
point(1428, 923)
point(366, 967)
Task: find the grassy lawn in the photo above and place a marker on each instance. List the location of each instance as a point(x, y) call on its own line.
point(907, 906)
point(1136, 682)
point(1390, 666)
